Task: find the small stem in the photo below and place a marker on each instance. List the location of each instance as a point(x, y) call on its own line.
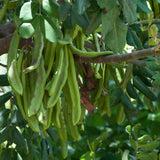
point(91, 149)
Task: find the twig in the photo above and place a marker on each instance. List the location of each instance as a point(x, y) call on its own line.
point(145, 22)
point(3, 65)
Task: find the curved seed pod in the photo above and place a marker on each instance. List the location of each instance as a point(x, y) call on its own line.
point(137, 82)
point(72, 129)
point(56, 113)
point(120, 114)
point(36, 52)
point(14, 78)
point(89, 54)
point(71, 91)
point(59, 78)
point(21, 106)
point(131, 90)
point(83, 112)
point(42, 115)
point(33, 123)
point(3, 9)
point(49, 117)
point(107, 96)
point(13, 48)
point(49, 56)
point(64, 149)
point(39, 90)
point(19, 62)
point(62, 132)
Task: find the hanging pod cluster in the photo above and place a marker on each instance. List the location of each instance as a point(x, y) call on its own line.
point(45, 85)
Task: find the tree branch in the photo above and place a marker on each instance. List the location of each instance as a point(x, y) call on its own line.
point(6, 32)
point(117, 58)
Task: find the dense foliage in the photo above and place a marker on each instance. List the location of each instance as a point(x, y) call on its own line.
point(56, 97)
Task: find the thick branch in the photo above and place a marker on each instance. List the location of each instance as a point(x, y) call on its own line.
point(6, 31)
point(117, 58)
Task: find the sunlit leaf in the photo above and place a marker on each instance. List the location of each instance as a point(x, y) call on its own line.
point(125, 155)
point(28, 11)
point(144, 139)
point(26, 30)
point(49, 30)
point(50, 8)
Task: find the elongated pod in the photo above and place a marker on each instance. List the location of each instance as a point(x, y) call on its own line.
point(71, 91)
point(89, 54)
point(36, 52)
point(3, 9)
point(59, 78)
point(39, 90)
point(14, 78)
point(13, 48)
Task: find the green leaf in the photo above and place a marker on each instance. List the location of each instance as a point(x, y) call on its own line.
point(4, 116)
point(116, 38)
point(64, 11)
point(130, 10)
point(81, 6)
point(4, 133)
point(50, 8)
point(157, 79)
point(133, 143)
point(68, 23)
point(108, 20)
point(133, 39)
point(26, 30)
point(4, 98)
point(107, 4)
point(125, 155)
point(94, 17)
point(87, 156)
point(19, 140)
point(49, 29)
point(128, 129)
point(95, 144)
point(149, 146)
point(129, 38)
point(28, 11)
point(136, 130)
point(144, 139)
point(9, 154)
point(153, 66)
point(147, 156)
point(81, 20)
point(142, 6)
